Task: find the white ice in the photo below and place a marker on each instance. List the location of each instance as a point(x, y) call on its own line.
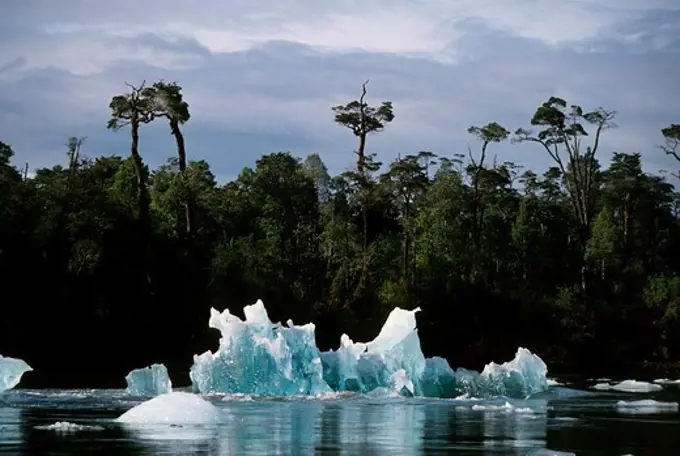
point(11, 370)
point(666, 381)
point(67, 427)
point(149, 381)
point(629, 386)
point(173, 408)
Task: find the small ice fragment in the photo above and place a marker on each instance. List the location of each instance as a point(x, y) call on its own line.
point(634, 386)
point(493, 407)
point(602, 386)
point(629, 386)
point(553, 382)
point(173, 408)
point(149, 381)
point(11, 370)
point(524, 410)
point(67, 427)
point(666, 381)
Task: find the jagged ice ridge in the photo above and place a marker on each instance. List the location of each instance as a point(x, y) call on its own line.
point(256, 356)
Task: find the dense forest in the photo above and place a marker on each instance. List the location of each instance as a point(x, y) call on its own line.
point(107, 265)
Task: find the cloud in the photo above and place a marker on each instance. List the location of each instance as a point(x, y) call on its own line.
point(263, 79)
point(418, 27)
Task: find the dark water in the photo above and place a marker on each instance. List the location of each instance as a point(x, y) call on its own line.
point(563, 420)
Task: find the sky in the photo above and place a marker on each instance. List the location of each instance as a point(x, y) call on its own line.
point(261, 76)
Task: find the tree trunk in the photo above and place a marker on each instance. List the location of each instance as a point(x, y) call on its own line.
point(142, 191)
point(626, 218)
point(182, 157)
point(361, 153)
point(406, 263)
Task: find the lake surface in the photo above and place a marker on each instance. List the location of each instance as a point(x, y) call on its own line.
point(564, 420)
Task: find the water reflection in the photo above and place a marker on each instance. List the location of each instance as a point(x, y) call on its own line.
point(10, 429)
point(348, 428)
point(354, 426)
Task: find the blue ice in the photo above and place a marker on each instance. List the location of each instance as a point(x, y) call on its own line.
point(11, 370)
point(256, 356)
point(149, 381)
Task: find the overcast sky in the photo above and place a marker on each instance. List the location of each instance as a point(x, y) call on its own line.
point(261, 75)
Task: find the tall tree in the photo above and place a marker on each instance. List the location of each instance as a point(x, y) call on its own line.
point(363, 120)
point(134, 109)
point(407, 178)
point(74, 145)
point(671, 135)
point(562, 128)
point(167, 101)
point(489, 133)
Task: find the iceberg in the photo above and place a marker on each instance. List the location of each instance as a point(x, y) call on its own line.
point(256, 356)
point(11, 370)
point(149, 381)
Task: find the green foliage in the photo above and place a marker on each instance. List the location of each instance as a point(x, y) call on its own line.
point(361, 118)
point(570, 263)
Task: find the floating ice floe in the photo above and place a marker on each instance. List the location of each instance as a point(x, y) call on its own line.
point(666, 381)
point(149, 381)
point(67, 427)
point(629, 386)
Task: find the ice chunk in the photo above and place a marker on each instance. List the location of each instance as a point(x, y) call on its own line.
point(365, 367)
point(67, 427)
point(666, 381)
point(524, 376)
point(149, 381)
point(11, 370)
point(256, 356)
point(602, 386)
point(629, 386)
point(173, 408)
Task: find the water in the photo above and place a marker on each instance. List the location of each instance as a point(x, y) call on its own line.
point(568, 420)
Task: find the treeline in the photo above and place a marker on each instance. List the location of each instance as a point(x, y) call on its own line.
point(106, 266)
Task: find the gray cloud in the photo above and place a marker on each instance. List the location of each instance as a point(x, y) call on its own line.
point(271, 88)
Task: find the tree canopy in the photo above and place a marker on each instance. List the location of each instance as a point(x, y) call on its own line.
point(577, 262)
